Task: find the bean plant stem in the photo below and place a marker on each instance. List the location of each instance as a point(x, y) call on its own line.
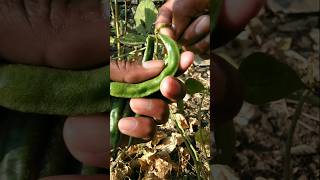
point(130, 53)
point(189, 146)
point(201, 128)
point(155, 54)
point(287, 155)
point(116, 23)
point(125, 16)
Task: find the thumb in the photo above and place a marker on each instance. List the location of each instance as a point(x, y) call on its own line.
point(164, 19)
point(134, 72)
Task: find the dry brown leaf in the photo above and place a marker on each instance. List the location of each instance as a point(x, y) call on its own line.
point(160, 135)
point(184, 158)
point(158, 164)
point(181, 120)
point(121, 171)
point(134, 149)
point(170, 143)
point(193, 123)
point(162, 168)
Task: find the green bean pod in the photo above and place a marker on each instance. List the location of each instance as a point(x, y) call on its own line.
point(148, 53)
point(126, 90)
point(46, 90)
point(115, 116)
point(24, 145)
point(115, 134)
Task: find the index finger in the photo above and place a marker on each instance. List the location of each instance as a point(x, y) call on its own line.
point(164, 19)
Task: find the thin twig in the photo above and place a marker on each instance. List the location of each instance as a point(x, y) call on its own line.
point(155, 54)
point(287, 155)
point(116, 23)
point(310, 117)
point(111, 9)
point(125, 16)
point(307, 127)
point(201, 128)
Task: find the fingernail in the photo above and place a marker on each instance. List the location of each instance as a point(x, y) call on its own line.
point(127, 124)
point(153, 64)
point(173, 26)
point(202, 25)
point(171, 88)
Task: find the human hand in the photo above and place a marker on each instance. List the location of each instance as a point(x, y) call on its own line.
point(89, 146)
point(191, 27)
point(61, 34)
point(234, 16)
point(153, 110)
point(190, 23)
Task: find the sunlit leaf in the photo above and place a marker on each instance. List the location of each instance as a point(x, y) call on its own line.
point(131, 39)
point(145, 16)
point(112, 40)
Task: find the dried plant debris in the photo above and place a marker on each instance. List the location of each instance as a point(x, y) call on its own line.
point(261, 131)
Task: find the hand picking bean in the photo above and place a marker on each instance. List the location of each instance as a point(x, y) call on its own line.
point(116, 113)
point(126, 90)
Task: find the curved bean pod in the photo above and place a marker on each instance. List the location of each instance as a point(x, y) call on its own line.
point(46, 90)
point(126, 90)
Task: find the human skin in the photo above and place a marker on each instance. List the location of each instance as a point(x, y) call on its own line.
point(191, 27)
point(73, 36)
point(191, 22)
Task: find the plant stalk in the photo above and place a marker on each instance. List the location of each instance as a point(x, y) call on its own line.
point(287, 155)
point(116, 23)
point(189, 146)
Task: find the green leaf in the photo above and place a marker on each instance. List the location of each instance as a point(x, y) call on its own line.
point(266, 79)
point(112, 40)
point(180, 106)
point(131, 39)
point(145, 16)
point(193, 86)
